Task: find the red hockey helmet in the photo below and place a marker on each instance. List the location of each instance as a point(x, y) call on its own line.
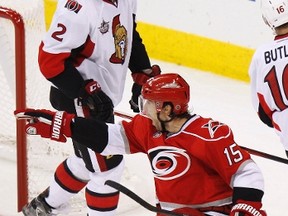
point(169, 87)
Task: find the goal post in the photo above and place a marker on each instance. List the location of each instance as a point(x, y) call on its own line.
point(18, 23)
point(22, 85)
point(22, 27)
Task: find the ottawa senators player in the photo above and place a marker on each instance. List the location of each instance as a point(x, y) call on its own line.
point(268, 71)
point(198, 167)
point(85, 55)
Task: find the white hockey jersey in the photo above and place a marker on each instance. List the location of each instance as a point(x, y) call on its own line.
point(101, 33)
point(269, 85)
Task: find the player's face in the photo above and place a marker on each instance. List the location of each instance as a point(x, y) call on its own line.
point(148, 108)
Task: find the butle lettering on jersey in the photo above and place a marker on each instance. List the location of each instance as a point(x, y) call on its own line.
point(276, 54)
point(195, 165)
point(97, 36)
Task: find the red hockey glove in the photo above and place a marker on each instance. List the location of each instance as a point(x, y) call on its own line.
point(139, 79)
point(100, 105)
point(46, 123)
point(247, 208)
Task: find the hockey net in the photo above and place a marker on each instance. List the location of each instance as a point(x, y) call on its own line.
point(36, 158)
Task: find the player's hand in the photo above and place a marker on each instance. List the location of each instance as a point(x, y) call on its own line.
point(46, 123)
point(139, 79)
point(136, 91)
point(247, 208)
point(100, 105)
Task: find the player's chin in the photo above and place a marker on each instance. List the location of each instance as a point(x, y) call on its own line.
point(157, 124)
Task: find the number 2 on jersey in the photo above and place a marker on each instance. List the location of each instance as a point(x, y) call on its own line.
point(56, 35)
point(233, 155)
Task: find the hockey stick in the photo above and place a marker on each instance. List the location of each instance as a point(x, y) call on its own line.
point(265, 155)
point(123, 115)
point(251, 151)
point(139, 200)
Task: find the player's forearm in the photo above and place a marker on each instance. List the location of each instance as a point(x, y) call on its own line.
point(96, 134)
point(264, 117)
point(91, 133)
point(69, 81)
point(246, 188)
point(139, 59)
point(59, 70)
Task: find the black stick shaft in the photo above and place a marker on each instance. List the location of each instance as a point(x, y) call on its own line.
point(139, 200)
point(265, 155)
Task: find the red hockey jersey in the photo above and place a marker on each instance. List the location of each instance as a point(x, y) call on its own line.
point(194, 167)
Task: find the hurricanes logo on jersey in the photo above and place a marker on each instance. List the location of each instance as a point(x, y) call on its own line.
point(169, 162)
point(120, 41)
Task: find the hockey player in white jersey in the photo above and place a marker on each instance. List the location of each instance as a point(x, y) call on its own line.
point(269, 71)
point(86, 54)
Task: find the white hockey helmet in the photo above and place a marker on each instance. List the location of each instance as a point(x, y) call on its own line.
point(274, 12)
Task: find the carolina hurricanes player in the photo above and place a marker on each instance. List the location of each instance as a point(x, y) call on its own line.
point(268, 71)
point(198, 167)
point(85, 55)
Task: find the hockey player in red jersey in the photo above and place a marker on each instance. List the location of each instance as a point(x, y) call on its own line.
point(198, 167)
point(268, 69)
point(86, 54)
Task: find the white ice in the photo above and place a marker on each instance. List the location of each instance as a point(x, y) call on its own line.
point(213, 96)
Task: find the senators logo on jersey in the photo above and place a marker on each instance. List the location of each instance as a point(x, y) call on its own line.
point(120, 41)
point(169, 162)
point(73, 5)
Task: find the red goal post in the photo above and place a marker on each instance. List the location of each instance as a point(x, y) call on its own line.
point(22, 27)
point(21, 32)
point(20, 74)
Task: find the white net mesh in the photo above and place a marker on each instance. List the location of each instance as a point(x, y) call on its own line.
point(43, 155)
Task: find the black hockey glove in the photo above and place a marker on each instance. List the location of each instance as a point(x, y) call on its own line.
point(99, 104)
point(139, 79)
point(136, 91)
